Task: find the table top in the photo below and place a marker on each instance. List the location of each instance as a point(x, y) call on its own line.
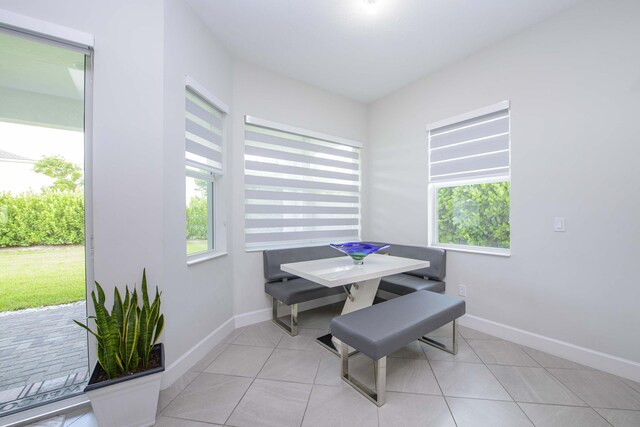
point(332, 272)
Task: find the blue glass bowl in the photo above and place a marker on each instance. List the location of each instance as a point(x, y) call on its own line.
point(358, 250)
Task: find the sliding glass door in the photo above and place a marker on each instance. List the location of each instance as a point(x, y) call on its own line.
point(43, 202)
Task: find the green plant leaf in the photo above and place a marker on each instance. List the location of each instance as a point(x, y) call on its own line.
point(117, 311)
point(109, 341)
point(101, 297)
point(145, 296)
point(131, 341)
point(127, 335)
point(159, 329)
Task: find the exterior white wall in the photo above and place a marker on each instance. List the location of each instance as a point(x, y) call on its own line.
point(574, 86)
point(261, 93)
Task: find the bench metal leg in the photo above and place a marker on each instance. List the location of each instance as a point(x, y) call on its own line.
point(377, 396)
point(291, 329)
point(453, 349)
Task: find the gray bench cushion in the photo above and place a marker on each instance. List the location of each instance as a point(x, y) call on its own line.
point(273, 258)
point(403, 284)
point(437, 257)
point(381, 329)
point(298, 290)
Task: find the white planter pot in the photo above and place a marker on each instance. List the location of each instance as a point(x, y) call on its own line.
point(131, 403)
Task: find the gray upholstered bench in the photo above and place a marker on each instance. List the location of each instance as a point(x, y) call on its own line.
point(285, 288)
point(381, 329)
point(424, 279)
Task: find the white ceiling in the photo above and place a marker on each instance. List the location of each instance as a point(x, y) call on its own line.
point(337, 45)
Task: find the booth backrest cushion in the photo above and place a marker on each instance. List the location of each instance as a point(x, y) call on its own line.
point(273, 258)
point(437, 257)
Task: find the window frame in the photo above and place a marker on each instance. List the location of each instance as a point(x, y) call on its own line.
point(433, 187)
point(216, 222)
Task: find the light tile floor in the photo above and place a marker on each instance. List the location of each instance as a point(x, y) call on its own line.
point(262, 377)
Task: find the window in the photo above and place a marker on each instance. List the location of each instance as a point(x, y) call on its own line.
point(204, 167)
point(301, 187)
point(469, 181)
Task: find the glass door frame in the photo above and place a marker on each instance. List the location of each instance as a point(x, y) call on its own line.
point(70, 39)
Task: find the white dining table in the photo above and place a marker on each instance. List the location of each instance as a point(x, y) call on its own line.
point(364, 278)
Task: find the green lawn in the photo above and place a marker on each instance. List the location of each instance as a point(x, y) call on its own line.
point(194, 246)
point(42, 276)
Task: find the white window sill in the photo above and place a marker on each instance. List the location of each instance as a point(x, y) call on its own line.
point(505, 253)
point(205, 256)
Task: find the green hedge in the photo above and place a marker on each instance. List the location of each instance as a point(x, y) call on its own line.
point(197, 219)
point(47, 218)
point(476, 215)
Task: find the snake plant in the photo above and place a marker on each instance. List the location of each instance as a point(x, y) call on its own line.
point(127, 334)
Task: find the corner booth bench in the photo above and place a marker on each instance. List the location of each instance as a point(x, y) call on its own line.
point(285, 288)
point(290, 290)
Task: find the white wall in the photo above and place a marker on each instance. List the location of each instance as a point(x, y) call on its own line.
point(261, 93)
point(574, 86)
point(198, 298)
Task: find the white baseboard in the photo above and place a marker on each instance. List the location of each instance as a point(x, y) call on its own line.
point(605, 362)
point(257, 316)
point(197, 352)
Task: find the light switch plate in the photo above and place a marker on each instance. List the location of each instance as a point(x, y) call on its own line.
point(558, 223)
point(462, 290)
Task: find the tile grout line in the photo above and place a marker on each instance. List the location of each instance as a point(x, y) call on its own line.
point(550, 373)
point(312, 385)
point(184, 388)
point(439, 387)
point(304, 414)
point(173, 417)
point(566, 406)
point(254, 378)
point(502, 385)
point(514, 400)
point(588, 404)
point(565, 386)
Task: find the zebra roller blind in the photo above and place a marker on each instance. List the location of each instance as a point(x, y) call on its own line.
point(203, 133)
point(301, 188)
point(472, 146)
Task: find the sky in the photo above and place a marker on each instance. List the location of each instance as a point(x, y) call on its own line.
point(35, 142)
